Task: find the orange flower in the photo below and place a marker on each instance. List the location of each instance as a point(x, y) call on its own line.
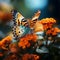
point(30, 56)
point(53, 31)
point(5, 41)
point(47, 22)
point(1, 54)
point(48, 32)
point(12, 57)
point(25, 41)
point(35, 57)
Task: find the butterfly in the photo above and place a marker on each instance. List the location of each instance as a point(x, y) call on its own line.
point(21, 20)
point(20, 24)
point(34, 19)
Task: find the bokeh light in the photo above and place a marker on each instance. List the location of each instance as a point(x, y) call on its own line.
point(36, 4)
point(5, 1)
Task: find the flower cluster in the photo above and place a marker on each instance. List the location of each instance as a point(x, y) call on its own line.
point(4, 42)
point(53, 31)
point(26, 41)
point(47, 22)
point(17, 45)
point(30, 57)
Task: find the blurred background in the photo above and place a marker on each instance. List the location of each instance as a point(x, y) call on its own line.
point(49, 8)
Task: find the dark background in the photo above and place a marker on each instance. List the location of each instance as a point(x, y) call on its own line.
point(51, 10)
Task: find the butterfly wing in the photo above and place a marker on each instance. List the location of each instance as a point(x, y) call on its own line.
point(34, 19)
